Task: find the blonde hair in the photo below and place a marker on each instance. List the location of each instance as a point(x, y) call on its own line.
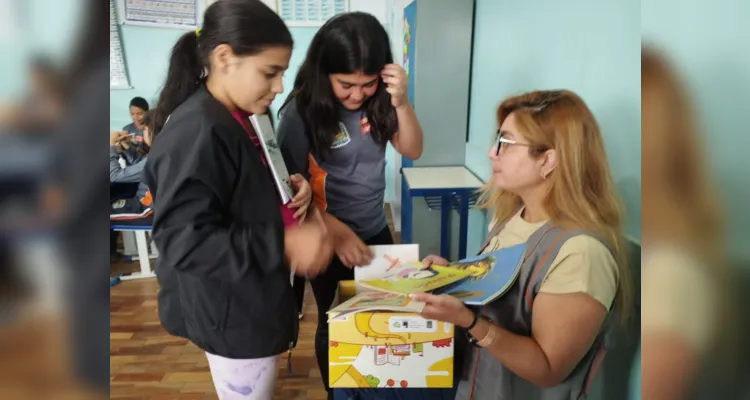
point(582, 193)
point(679, 202)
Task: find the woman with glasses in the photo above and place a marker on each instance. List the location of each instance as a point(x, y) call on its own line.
point(551, 191)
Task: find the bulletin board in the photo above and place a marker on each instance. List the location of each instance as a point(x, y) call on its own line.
point(118, 74)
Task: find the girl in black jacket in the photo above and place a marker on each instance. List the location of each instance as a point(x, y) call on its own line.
point(225, 254)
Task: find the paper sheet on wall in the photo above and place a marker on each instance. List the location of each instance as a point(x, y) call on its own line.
point(118, 75)
point(310, 11)
point(184, 14)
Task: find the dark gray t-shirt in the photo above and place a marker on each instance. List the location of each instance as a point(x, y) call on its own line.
point(350, 183)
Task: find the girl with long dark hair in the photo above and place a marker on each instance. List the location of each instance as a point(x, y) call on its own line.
point(226, 242)
point(348, 102)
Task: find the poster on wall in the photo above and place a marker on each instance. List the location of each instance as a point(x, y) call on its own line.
point(181, 14)
point(118, 75)
point(310, 12)
point(410, 29)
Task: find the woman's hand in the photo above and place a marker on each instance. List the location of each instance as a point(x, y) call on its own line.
point(352, 251)
point(444, 308)
point(394, 78)
point(302, 197)
point(434, 260)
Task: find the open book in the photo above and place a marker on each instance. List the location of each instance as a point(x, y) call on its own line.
point(387, 258)
point(476, 280)
point(490, 275)
point(413, 278)
point(267, 137)
point(377, 301)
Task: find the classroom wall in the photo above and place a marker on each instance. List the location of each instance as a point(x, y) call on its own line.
point(147, 56)
point(589, 46)
point(710, 46)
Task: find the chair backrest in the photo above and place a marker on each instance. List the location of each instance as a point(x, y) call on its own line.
point(715, 380)
point(612, 380)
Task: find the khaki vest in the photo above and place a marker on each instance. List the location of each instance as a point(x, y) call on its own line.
point(488, 377)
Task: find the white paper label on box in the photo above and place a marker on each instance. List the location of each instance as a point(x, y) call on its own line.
point(412, 324)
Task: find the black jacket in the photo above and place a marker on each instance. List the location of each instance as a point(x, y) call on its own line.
point(223, 280)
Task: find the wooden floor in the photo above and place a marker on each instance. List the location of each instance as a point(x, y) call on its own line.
point(146, 363)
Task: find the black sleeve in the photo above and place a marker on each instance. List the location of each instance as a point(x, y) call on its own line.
point(193, 229)
point(294, 144)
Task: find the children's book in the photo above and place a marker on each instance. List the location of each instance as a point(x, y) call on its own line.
point(490, 275)
point(264, 130)
point(414, 278)
point(377, 301)
point(387, 259)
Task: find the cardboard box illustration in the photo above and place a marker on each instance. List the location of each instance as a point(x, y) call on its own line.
point(387, 349)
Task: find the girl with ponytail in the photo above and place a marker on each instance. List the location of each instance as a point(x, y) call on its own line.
point(226, 242)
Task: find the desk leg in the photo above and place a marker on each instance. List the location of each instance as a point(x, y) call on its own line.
point(463, 225)
point(406, 218)
point(445, 226)
point(143, 259)
point(129, 243)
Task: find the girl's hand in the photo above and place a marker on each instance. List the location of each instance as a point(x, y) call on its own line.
point(434, 260)
point(303, 196)
point(309, 247)
point(117, 137)
point(352, 251)
point(394, 78)
point(444, 308)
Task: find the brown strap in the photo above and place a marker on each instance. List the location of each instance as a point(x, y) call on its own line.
point(539, 265)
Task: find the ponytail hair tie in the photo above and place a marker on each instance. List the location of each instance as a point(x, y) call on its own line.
point(197, 32)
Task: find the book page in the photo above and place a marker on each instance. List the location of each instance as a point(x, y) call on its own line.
point(490, 275)
point(267, 137)
point(385, 259)
point(377, 301)
point(416, 279)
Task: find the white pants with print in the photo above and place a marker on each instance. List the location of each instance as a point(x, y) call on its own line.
point(244, 379)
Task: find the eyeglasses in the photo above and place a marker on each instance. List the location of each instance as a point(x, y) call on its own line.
point(502, 143)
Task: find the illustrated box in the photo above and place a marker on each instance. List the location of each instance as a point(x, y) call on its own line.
point(387, 349)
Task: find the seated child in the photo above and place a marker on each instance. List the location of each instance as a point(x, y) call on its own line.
point(135, 210)
point(138, 109)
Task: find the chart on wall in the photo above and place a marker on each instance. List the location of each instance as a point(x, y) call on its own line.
point(118, 75)
point(181, 14)
point(410, 30)
point(310, 12)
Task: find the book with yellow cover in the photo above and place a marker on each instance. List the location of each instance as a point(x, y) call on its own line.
point(415, 278)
